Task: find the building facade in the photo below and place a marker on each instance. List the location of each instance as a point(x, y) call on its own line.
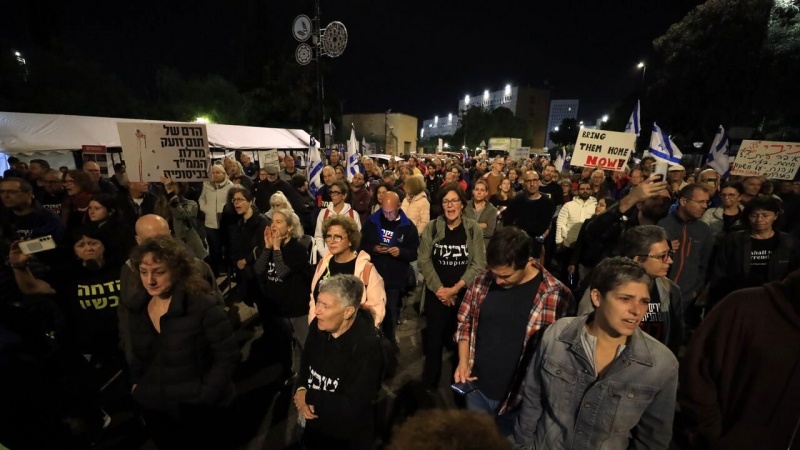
point(439, 126)
point(560, 110)
point(527, 103)
point(392, 133)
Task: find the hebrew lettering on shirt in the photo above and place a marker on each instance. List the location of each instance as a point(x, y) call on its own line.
point(325, 384)
point(100, 303)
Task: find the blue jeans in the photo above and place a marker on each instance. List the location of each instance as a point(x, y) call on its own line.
point(476, 401)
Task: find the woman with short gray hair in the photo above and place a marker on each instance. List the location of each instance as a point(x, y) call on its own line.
point(341, 368)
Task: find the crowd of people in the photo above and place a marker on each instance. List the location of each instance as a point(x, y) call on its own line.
point(582, 308)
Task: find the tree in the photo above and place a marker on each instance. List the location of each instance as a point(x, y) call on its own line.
point(567, 132)
point(479, 124)
point(733, 62)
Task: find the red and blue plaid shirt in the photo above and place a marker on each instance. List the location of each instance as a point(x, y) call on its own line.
point(553, 301)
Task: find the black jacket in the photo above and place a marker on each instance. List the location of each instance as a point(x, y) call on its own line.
point(343, 376)
point(286, 292)
point(191, 361)
point(731, 269)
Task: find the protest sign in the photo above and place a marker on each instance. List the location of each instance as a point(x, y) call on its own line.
point(522, 153)
point(608, 150)
point(772, 160)
point(152, 150)
point(268, 157)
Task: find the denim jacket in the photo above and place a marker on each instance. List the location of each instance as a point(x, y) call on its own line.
point(630, 406)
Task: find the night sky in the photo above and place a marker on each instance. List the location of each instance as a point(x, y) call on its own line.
point(416, 57)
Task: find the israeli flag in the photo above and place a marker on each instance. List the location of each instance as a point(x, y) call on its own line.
point(634, 126)
point(561, 159)
point(718, 158)
point(662, 147)
point(352, 155)
point(314, 167)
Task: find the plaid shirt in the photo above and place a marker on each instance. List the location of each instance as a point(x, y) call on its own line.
point(553, 300)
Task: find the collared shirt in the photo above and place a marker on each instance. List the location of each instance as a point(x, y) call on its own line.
point(553, 300)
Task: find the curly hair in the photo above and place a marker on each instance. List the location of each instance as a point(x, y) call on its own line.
point(177, 258)
point(349, 226)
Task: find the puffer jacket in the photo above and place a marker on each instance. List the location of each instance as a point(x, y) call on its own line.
point(212, 201)
point(374, 298)
point(191, 361)
point(418, 210)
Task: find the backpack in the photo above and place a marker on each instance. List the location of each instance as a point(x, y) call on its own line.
point(388, 352)
point(350, 213)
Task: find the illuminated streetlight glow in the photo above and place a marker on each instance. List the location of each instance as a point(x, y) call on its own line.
point(486, 94)
point(556, 128)
point(466, 100)
point(642, 66)
point(435, 120)
point(202, 119)
point(605, 117)
point(450, 118)
point(508, 89)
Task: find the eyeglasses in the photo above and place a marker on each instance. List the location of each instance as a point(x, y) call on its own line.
point(700, 202)
point(454, 201)
point(239, 200)
point(663, 258)
point(335, 193)
point(333, 238)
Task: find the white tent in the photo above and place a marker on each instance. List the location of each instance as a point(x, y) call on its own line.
point(23, 133)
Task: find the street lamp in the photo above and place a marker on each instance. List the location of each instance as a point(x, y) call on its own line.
point(642, 66)
point(605, 117)
point(22, 62)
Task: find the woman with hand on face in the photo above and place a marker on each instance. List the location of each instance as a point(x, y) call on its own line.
point(451, 253)
point(183, 350)
point(283, 276)
point(343, 238)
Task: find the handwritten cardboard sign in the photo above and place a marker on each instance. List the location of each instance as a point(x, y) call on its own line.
point(177, 150)
point(772, 160)
point(268, 157)
point(608, 150)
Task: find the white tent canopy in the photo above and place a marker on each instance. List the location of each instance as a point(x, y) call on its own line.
point(23, 133)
